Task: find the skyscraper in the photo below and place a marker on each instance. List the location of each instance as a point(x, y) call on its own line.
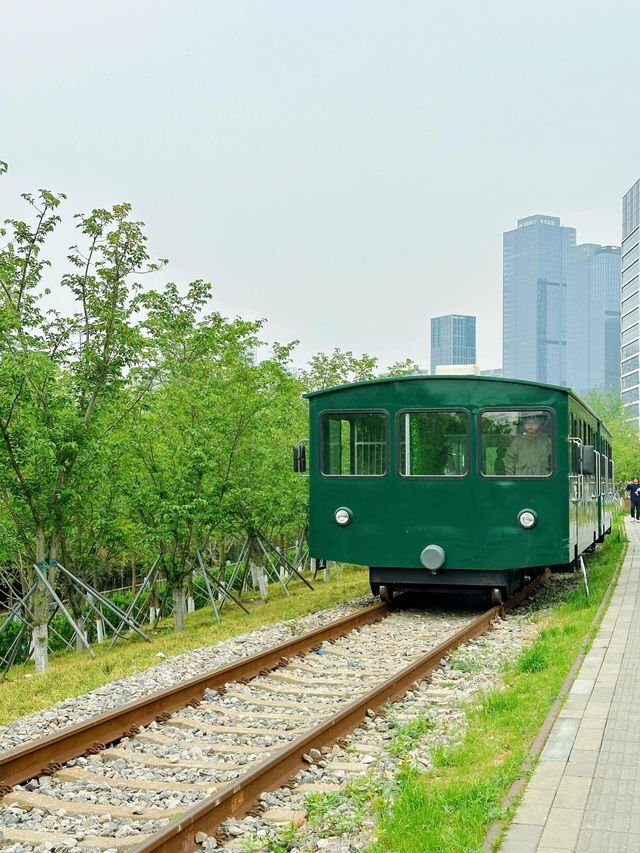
point(534, 299)
point(629, 358)
point(593, 317)
point(453, 340)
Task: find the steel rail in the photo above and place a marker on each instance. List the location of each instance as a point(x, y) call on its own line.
point(237, 796)
point(47, 754)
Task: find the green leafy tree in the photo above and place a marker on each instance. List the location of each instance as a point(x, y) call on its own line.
point(625, 440)
point(327, 371)
point(62, 376)
point(205, 439)
point(408, 367)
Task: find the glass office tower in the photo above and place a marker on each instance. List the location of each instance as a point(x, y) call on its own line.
point(453, 340)
point(534, 299)
point(629, 366)
point(593, 318)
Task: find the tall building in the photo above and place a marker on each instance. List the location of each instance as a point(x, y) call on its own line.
point(453, 340)
point(534, 299)
point(629, 364)
point(593, 317)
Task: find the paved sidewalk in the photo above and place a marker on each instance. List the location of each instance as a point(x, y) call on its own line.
point(585, 792)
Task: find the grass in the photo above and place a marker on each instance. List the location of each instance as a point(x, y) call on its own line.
point(74, 673)
point(450, 809)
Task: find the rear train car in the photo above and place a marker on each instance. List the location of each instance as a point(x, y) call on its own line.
point(448, 482)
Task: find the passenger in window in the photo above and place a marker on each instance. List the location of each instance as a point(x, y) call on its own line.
point(499, 467)
point(529, 454)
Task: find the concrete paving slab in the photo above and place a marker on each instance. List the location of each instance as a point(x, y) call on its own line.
point(588, 738)
point(521, 839)
point(548, 774)
point(562, 829)
point(577, 713)
point(582, 762)
point(561, 739)
point(572, 792)
point(535, 806)
point(582, 686)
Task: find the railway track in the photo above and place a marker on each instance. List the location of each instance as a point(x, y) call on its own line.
point(153, 774)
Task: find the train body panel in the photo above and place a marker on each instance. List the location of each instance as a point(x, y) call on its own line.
point(419, 463)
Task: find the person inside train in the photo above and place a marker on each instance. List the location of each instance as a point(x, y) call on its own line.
point(529, 454)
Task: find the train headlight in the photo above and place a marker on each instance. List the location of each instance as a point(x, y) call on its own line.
point(527, 518)
point(343, 516)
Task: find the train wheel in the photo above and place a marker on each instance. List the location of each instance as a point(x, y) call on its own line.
point(496, 596)
point(386, 593)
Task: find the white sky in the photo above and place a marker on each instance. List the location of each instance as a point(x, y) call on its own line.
point(343, 169)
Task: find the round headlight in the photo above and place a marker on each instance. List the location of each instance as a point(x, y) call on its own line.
point(342, 516)
point(527, 518)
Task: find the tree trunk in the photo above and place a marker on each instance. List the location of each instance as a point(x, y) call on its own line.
point(191, 605)
point(178, 609)
point(134, 579)
point(40, 627)
point(259, 579)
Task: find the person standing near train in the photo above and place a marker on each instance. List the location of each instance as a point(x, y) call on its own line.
point(633, 487)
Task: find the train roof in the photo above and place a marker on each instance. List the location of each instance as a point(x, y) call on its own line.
point(469, 377)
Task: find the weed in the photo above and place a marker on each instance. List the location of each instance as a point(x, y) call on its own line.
point(406, 736)
point(251, 845)
point(336, 813)
point(284, 841)
point(533, 659)
point(462, 663)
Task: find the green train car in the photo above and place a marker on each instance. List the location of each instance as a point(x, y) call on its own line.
point(449, 482)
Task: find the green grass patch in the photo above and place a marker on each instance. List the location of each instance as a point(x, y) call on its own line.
point(450, 809)
point(74, 673)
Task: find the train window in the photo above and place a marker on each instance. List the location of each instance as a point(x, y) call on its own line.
point(516, 443)
point(354, 444)
point(433, 444)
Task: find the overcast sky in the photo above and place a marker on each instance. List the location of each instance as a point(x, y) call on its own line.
point(344, 169)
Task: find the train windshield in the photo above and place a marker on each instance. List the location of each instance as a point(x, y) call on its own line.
point(516, 443)
point(433, 444)
point(354, 444)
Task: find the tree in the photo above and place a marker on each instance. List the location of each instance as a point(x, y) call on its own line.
point(408, 367)
point(625, 440)
point(62, 376)
point(327, 371)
